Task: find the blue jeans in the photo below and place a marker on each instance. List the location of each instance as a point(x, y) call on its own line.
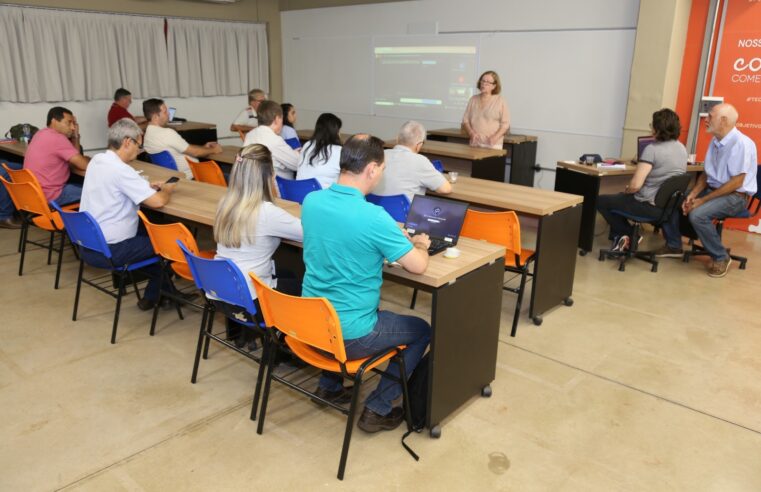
point(71, 193)
point(6, 204)
point(702, 218)
point(131, 250)
point(390, 330)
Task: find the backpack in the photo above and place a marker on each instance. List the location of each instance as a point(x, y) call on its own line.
point(17, 131)
point(417, 387)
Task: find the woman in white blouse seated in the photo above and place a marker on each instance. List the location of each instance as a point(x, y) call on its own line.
point(321, 156)
point(248, 227)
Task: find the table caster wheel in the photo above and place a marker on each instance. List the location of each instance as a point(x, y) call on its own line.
point(436, 431)
point(583, 252)
point(568, 301)
point(537, 320)
point(486, 391)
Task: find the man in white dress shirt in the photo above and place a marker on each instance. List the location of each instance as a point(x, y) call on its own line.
point(246, 119)
point(159, 137)
point(285, 159)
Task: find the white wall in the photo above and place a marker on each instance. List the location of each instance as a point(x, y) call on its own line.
point(91, 115)
point(565, 65)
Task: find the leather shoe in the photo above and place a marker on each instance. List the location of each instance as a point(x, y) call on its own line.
point(371, 422)
point(146, 304)
point(340, 397)
point(10, 223)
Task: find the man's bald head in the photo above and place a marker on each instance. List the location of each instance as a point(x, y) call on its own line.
point(721, 120)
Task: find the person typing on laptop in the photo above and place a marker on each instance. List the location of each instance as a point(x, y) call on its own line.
point(346, 240)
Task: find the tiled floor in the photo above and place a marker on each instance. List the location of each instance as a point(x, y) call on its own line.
point(649, 382)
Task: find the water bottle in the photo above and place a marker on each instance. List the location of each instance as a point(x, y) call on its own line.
point(27, 133)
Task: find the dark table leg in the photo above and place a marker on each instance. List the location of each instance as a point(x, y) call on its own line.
point(523, 160)
point(492, 168)
point(589, 187)
point(465, 319)
point(555, 264)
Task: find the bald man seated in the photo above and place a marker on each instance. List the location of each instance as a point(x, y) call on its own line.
point(407, 172)
point(725, 187)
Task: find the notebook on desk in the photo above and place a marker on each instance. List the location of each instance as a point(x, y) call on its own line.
point(441, 219)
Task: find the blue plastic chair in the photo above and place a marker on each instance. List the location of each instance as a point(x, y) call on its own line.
point(164, 159)
point(85, 232)
point(397, 206)
point(438, 165)
point(294, 142)
point(228, 288)
point(295, 190)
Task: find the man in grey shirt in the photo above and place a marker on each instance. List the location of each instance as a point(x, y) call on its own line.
point(407, 172)
point(659, 161)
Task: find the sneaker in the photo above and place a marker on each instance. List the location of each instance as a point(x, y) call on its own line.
point(340, 397)
point(10, 223)
point(622, 244)
point(668, 252)
point(371, 422)
point(719, 268)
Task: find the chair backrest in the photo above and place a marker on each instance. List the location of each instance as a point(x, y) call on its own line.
point(670, 193)
point(164, 159)
point(21, 176)
point(28, 196)
point(495, 227)
point(164, 239)
point(83, 230)
point(397, 206)
point(207, 172)
point(310, 320)
point(221, 279)
point(438, 165)
point(295, 190)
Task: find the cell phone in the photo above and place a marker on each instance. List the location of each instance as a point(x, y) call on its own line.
point(171, 180)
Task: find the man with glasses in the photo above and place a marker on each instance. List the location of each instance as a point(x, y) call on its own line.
point(407, 172)
point(246, 119)
point(112, 193)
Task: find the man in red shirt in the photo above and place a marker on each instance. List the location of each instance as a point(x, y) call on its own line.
point(122, 100)
point(51, 154)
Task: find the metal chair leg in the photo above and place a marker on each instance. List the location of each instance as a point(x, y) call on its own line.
point(119, 295)
point(60, 258)
point(414, 299)
point(22, 245)
point(267, 384)
point(209, 325)
point(518, 301)
point(350, 423)
point(79, 288)
point(201, 332)
point(266, 348)
point(50, 246)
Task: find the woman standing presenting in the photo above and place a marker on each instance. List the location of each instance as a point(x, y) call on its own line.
point(487, 119)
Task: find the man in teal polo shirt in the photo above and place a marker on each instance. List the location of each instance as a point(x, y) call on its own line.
point(346, 240)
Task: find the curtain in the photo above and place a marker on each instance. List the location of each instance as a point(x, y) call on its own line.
point(212, 58)
point(61, 55)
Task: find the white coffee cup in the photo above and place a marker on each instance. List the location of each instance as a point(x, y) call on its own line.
point(452, 252)
point(691, 159)
point(590, 159)
point(453, 176)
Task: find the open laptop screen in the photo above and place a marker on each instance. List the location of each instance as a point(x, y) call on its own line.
point(171, 113)
point(439, 218)
point(643, 142)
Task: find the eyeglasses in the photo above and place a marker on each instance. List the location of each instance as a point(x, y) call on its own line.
point(490, 82)
point(139, 145)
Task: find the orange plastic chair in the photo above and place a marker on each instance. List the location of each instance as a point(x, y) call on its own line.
point(27, 197)
point(242, 135)
point(207, 172)
point(312, 331)
point(503, 228)
point(164, 239)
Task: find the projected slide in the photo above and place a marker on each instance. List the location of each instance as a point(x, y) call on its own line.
point(424, 82)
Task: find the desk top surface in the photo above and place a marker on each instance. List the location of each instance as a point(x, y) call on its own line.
point(455, 150)
point(196, 201)
point(192, 125)
point(522, 199)
point(228, 155)
point(14, 147)
point(601, 171)
point(511, 138)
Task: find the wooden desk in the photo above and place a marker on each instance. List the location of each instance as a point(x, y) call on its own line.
point(195, 132)
point(228, 155)
point(14, 151)
point(485, 163)
point(521, 150)
point(559, 219)
point(467, 293)
point(580, 179)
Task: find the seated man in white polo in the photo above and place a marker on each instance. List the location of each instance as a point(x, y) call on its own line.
point(284, 158)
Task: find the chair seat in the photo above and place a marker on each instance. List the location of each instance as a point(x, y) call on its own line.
point(635, 218)
point(183, 270)
point(44, 223)
point(314, 358)
point(134, 266)
point(526, 255)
